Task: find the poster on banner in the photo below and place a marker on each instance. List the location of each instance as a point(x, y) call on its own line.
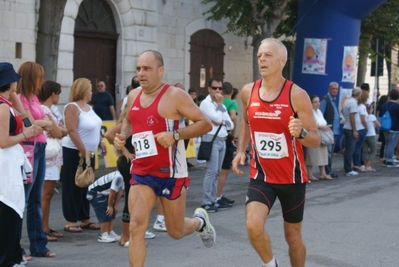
point(348, 64)
point(314, 56)
point(344, 94)
point(110, 158)
point(191, 151)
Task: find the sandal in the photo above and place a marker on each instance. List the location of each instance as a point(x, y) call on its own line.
point(326, 177)
point(27, 257)
point(48, 254)
point(312, 178)
point(359, 168)
point(370, 169)
point(51, 238)
point(73, 229)
point(90, 226)
point(53, 233)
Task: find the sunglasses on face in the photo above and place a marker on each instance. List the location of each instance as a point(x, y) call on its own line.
point(216, 88)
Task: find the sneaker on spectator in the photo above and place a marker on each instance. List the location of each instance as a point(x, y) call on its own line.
point(227, 200)
point(210, 208)
point(390, 164)
point(105, 238)
point(114, 235)
point(222, 202)
point(207, 232)
point(159, 226)
point(333, 175)
point(351, 173)
point(220, 206)
point(149, 235)
point(24, 261)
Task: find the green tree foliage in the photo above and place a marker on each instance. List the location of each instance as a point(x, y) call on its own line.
point(383, 24)
point(256, 18)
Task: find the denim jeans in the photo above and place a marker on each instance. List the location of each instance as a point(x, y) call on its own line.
point(357, 155)
point(213, 166)
point(349, 149)
point(100, 203)
point(390, 142)
point(33, 197)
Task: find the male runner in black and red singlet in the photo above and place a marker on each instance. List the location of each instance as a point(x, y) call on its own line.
point(156, 123)
point(277, 118)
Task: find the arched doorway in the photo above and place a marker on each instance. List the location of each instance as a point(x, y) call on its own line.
point(206, 59)
point(95, 44)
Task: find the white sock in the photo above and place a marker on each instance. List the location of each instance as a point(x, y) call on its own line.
point(271, 263)
point(160, 218)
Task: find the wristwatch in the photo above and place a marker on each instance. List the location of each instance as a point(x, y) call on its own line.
point(303, 133)
point(176, 135)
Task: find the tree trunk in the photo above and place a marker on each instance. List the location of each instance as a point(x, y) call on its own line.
point(364, 46)
point(388, 54)
point(362, 68)
point(48, 36)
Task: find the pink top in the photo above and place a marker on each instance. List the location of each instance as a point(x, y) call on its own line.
point(37, 113)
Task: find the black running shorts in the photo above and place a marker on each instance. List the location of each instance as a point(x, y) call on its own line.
point(291, 196)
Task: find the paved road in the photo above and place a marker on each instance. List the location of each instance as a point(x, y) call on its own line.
point(349, 222)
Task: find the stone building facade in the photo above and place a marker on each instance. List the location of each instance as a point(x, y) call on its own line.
point(164, 25)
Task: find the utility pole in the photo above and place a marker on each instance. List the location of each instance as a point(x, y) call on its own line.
point(376, 77)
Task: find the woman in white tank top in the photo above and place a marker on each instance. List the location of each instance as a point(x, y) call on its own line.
point(83, 127)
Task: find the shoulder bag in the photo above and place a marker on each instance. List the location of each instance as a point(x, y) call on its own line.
point(205, 149)
point(53, 148)
point(327, 137)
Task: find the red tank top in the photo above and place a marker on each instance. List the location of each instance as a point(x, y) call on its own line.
point(277, 155)
point(151, 158)
point(15, 120)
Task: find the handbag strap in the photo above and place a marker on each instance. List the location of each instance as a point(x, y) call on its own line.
point(216, 134)
point(88, 156)
point(87, 159)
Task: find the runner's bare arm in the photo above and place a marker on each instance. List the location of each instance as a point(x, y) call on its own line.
point(177, 104)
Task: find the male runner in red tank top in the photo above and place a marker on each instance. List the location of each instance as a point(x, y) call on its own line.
point(277, 118)
point(159, 168)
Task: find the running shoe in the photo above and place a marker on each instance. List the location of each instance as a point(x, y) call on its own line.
point(105, 238)
point(224, 202)
point(159, 226)
point(114, 235)
point(390, 164)
point(149, 235)
point(228, 200)
point(221, 206)
point(207, 232)
point(351, 174)
point(210, 208)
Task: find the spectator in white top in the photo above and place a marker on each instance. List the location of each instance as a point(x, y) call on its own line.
point(370, 144)
point(213, 108)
